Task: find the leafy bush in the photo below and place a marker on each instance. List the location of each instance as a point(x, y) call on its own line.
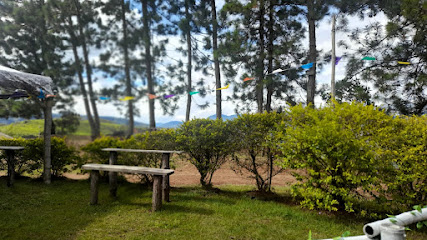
point(207, 142)
point(340, 147)
point(407, 181)
point(93, 152)
point(31, 158)
point(250, 133)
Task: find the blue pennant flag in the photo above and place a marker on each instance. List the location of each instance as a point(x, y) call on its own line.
point(307, 66)
point(41, 95)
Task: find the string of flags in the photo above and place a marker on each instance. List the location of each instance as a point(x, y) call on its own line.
point(279, 70)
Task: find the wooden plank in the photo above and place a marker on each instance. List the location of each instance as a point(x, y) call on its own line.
point(11, 147)
point(165, 185)
point(94, 184)
point(127, 169)
point(157, 193)
point(138, 150)
point(113, 175)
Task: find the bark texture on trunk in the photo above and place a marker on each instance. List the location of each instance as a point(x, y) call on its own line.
point(270, 51)
point(47, 141)
point(216, 60)
point(189, 62)
point(311, 84)
point(88, 71)
point(260, 70)
point(81, 81)
point(147, 43)
point(127, 69)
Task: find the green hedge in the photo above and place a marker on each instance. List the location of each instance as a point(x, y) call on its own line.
point(30, 160)
point(354, 154)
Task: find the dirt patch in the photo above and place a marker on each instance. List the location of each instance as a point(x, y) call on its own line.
point(187, 174)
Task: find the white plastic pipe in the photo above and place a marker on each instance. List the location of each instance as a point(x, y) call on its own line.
point(374, 229)
point(392, 232)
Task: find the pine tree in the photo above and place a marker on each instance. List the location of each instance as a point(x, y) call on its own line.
point(266, 36)
point(118, 61)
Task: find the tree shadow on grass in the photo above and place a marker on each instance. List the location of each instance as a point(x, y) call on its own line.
point(33, 210)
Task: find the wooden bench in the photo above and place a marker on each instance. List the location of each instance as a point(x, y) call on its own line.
point(157, 174)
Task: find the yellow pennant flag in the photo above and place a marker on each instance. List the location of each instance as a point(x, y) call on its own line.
point(127, 98)
point(151, 96)
point(404, 63)
point(223, 87)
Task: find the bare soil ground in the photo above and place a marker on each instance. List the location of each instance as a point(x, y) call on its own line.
point(187, 174)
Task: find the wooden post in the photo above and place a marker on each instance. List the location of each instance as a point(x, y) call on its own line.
point(10, 167)
point(94, 179)
point(166, 184)
point(157, 193)
point(47, 141)
point(113, 175)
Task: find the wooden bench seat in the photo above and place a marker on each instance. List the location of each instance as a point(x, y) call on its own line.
point(157, 173)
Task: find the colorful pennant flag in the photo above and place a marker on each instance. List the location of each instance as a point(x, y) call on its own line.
point(404, 63)
point(223, 87)
point(151, 96)
point(41, 95)
point(307, 66)
point(369, 58)
point(104, 98)
point(168, 96)
point(127, 98)
point(248, 79)
point(276, 71)
point(192, 93)
point(50, 95)
point(337, 59)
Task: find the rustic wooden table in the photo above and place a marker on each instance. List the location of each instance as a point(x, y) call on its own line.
point(10, 155)
point(165, 165)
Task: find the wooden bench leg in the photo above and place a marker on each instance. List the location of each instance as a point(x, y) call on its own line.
point(94, 184)
point(157, 193)
point(10, 167)
point(112, 176)
point(166, 184)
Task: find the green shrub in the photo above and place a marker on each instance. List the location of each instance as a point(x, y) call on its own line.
point(30, 160)
point(407, 182)
point(250, 134)
point(93, 152)
point(340, 147)
point(207, 142)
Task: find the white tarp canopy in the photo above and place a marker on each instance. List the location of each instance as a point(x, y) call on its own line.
point(11, 79)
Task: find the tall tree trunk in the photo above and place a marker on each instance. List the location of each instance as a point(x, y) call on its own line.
point(216, 60)
point(189, 63)
point(311, 84)
point(147, 42)
point(260, 68)
point(88, 70)
point(47, 169)
point(270, 56)
point(127, 69)
point(80, 76)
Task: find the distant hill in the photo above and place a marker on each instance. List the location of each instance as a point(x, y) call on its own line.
point(171, 124)
point(121, 121)
point(225, 117)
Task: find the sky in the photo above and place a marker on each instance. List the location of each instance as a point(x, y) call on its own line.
point(323, 40)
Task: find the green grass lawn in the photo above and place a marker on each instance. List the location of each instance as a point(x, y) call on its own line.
point(32, 210)
point(35, 127)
